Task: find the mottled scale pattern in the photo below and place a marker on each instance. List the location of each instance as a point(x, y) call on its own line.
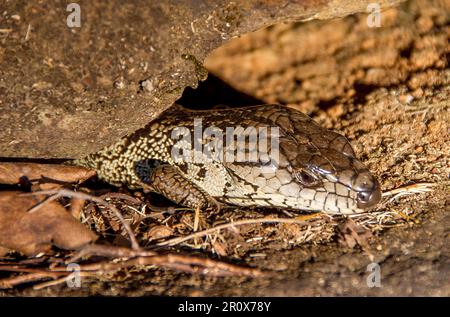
point(316, 168)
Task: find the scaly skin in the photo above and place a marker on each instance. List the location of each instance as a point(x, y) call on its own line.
point(316, 168)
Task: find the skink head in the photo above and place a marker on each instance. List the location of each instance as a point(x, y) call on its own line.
point(312, 168)
point(329, 176)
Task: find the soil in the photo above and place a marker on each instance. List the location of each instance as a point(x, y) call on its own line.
point(387, 89)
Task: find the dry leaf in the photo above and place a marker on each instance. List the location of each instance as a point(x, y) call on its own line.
point(32, 233)
point(49, 176)
point(159, 232)
point(76, 207)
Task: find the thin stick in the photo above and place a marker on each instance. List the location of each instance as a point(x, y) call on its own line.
point(69, 193)
point(21, 269)
point(27, 35)
point(42, 202)
point(196, 223)
point(188, 264)
point(30, 277)
point(108, 251)
point(63, 280)
point(122, 197)
point(179, 240)
point(410, 189)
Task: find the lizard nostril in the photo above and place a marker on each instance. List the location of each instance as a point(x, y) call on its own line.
point(368, 199)
point(368, 189)
point(364, 197)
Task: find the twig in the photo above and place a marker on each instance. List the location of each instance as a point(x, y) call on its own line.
point(187, 264)
point(42, 202)
point(27, 35)
point(62, 279)
point(121, 196)
point(145, 258)
point(30, 277)
point(409, 190)
point(21, 269)
point(108, 251)
point(196, 222)
point(198, 234)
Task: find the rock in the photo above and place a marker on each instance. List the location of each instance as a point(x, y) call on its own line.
point(58, 85)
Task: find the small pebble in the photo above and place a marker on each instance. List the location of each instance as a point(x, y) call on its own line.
point(147, 85)
point(435, 170)
point(406, 98)
point(418, 93)
point(119, 84)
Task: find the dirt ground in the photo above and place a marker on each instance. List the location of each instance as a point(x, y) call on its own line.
point(387, 89)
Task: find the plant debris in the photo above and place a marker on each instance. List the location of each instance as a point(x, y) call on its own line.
point(33, 233)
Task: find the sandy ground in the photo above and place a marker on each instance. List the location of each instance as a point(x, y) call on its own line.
point(387, 90)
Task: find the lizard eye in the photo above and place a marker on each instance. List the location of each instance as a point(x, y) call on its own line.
point(306, 178)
